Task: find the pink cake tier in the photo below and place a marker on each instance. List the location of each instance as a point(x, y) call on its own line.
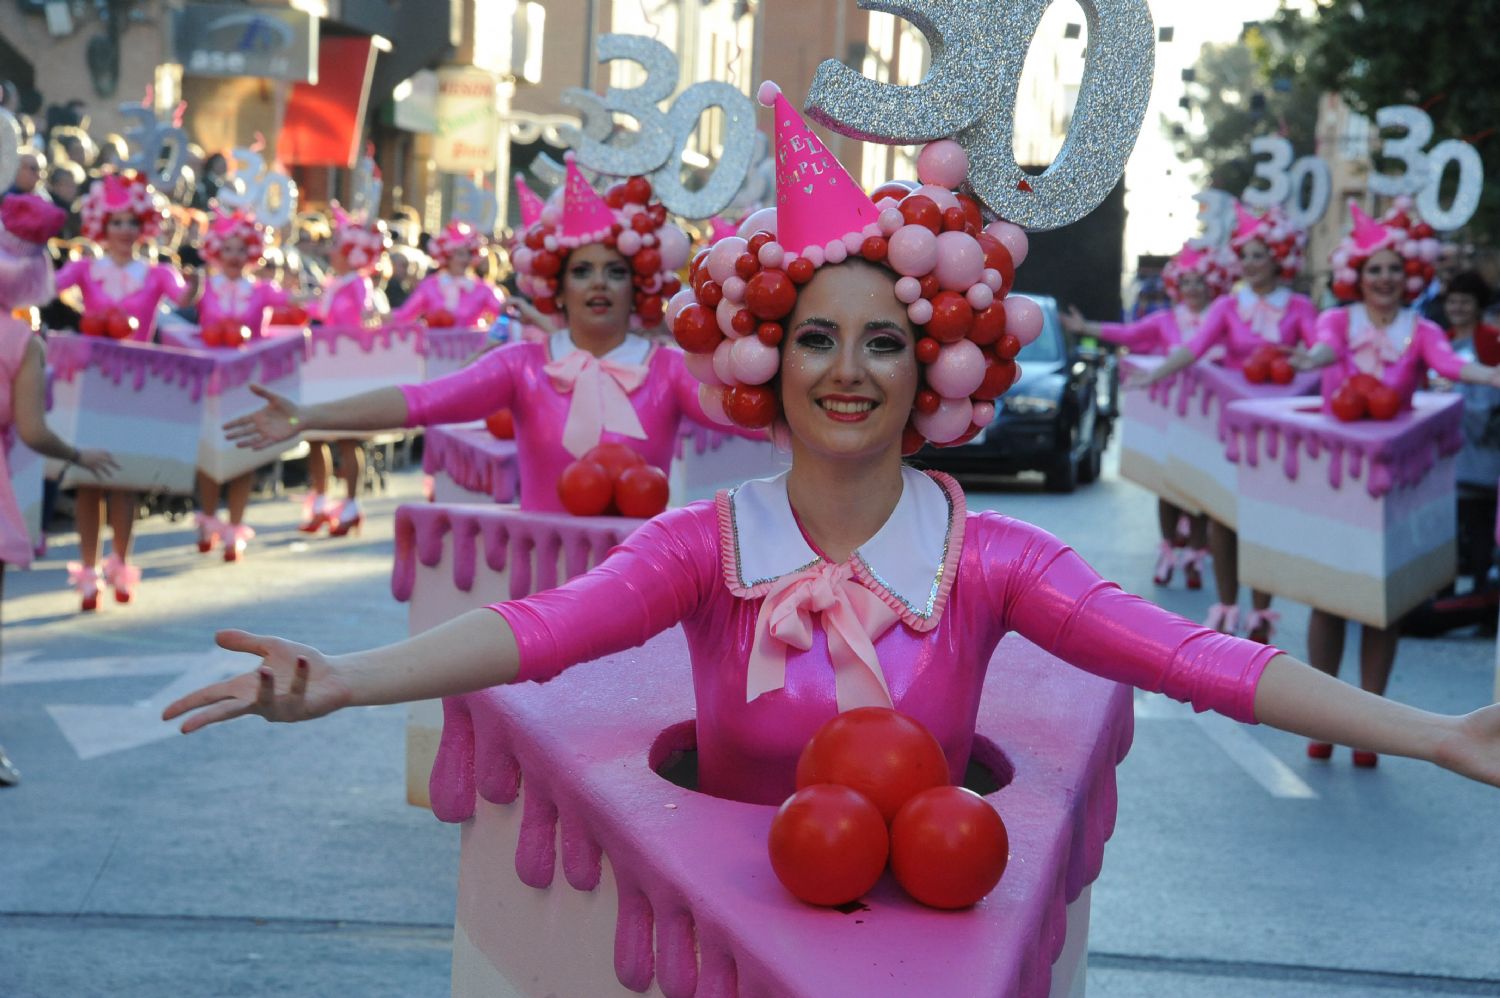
point(1196, 436)
point(1358, 519)
point(470, 464)
point(454, 558)
point(1147, 415)
point(667, 891)
point(340, 361)
point(28, 472)
point(706, 461)
point(447, 349)
point(160, 409)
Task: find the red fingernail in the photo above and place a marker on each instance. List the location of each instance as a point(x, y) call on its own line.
point(301, 663)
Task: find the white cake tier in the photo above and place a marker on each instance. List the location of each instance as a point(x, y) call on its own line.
point(1146, 417)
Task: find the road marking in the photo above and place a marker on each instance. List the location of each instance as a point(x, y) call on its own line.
point(96, 730)
point(1247, 753)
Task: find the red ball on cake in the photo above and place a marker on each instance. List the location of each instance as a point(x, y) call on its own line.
point(641, 491)
point(585, 489)
point(949, 847)
point(828, 845)
point(886, 756)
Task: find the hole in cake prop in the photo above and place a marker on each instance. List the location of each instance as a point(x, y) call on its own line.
point(472, 464)
point(159, 409)
point(1354, 518)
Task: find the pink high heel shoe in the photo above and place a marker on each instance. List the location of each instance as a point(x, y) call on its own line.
point(315, 513)
point(1166, 561)
point(237, 537)
point(210, 530)
point(122, 578)
point(348, 517)
point(1192, 568)
point(86, 581)
point(1262, 625)
point(1224, 618)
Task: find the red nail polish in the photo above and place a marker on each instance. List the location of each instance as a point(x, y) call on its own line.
point(301, 663)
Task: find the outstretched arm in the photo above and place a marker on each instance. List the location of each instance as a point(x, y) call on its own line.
point(282, 418)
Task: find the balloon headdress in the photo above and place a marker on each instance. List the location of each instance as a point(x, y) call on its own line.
point(1218, 267)
point(1399, 231)
point(124, 193)
point(457, 236)
point(239, 225)
point(1286, 240)
point(625, 219)
point(954, 273)
point(362, 241)
point(26, 223)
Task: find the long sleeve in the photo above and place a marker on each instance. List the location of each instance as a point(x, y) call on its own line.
point(1306, 320)
point(1145, 335)
point(1048, 594)
point(1437, 352)
point(72, 273)
point(415, 305)
point(467, 394)
point(169, 283)
point(661, 574)
point(1214, 329)
point(1332, 328)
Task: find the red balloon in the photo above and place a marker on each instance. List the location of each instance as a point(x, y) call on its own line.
point(1364, 384)
point(641, 491)
point(642, 222)
point(760, 239)
point(614, 458)
point(585, 489)
point(971, 212)
point(997, 257)
point(696, 329)
point(1007, 346)
point(1383, 402)
point(949, 847)
point(751, 406)
point(646, 261)
point(989, 327)
point(743, 322)
point(911, 441)
point(209, 333)
point(120, 326)
point(670, 285)
point(801, 270)
point(828, 845)
point(441, 319)
point(770, 333)
point(1282, 371)
point(1348, 404)
point(234, 334)
point(535, 238)
point(929, 285)
point(889, 190)
point(1257, 370)
point(651, 310)
point(615, 196)
point(954, 219)
point(746, 266)
point(546, 264)
point(501, 424)
point(927, 401)
point(952, 317)
point(874, 249)
point(710, 294)
point(637, 190)
point(928, 350)
point(883, 754)
point(998, 377)
point(658, 213)
point(771, 294)
point(919, 209)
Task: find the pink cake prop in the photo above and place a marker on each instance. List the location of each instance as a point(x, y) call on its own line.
point(28, 470)
point(447, 349)
point(470, 464)
point(455, 558)
point(159, 409)
point(1197, 435)
point(340, 361)
point(707, 460)
point(667, 891)
point(1358, 519)
point(1147, 416)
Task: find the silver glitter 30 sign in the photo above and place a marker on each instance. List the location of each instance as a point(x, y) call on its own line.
point(10, 148)
point(655, 149)
point(158, 149)
point(978, 51)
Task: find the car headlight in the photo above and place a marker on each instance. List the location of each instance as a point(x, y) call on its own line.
point(1030, 405)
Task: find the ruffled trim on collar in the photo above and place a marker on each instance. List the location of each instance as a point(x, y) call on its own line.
point(910, 563)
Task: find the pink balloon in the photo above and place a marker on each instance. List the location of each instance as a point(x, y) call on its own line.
point(913, 251)
point(908, 290)
point(835, 252)
point(984, 413)
point(754, 362)
point(853, 241)
point(1023, 317)
point(919, 312)
point(722, 257)
point(523, 258)
point(724, 362)
point(629, 242)
point(675, 247)
point(944, 163)
point(958, 370)
point(950, 421)
point(1012, 237)
point(890, 220)
point(771, 255)
point(701, 366)
point(980, 297)
point(960, 261)
point(734, 289)
point(763, 220)
point(944, 198)
point(725, 314)
point(678, 302)
point(711, 398)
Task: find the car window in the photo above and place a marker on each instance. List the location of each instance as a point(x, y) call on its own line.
point(1047, 348)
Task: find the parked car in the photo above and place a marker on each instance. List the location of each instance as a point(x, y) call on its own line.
point(1056, 419)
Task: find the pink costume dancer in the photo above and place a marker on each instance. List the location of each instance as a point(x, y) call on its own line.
point(119, 213)
point(1193, 278)
point(1261, 312)
point(348, 299)
point(26, 223)
point(452, 295)
point(1381, 265)
point(232, 243)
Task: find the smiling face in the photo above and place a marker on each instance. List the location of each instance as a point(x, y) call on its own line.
point(596, 293)
point(1257, 264)
point(121, 232)
point(1194, 291)
point(458, 262)
point(849, 370)
point(1382, 281)
point(233, 256)
point(1461, 309)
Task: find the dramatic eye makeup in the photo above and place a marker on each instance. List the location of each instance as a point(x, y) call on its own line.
point(881, 336)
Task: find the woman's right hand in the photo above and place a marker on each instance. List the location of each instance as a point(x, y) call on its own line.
point(293, 682)
point(101, 462)
point(1073, 321)
point(280, 420)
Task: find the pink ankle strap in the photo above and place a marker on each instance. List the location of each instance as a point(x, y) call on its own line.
point(1223, 617)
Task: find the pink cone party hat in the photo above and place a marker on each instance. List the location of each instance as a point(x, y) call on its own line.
point(1247, 225)
point(585, 216)
point(1400, 231)
point(817, 202)
point(720, 228)
point(1368, 235)
point(529, 201)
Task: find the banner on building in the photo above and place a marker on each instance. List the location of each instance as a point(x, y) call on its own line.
point(278, 43)
point(323, 124)
point(468, 120)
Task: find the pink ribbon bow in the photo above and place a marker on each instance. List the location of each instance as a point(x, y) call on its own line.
point(601, 399)
point(1372, 350)
point(117, 282)
point(854, 618)
point(1265, 320)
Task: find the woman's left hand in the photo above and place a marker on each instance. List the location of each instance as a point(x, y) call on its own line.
point(1474, 749)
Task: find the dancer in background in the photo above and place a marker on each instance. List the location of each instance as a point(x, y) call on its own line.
point(1194, 279)
point(452, 295)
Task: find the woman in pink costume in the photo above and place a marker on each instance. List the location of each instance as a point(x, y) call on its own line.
point(594, 381)
point(1263, 311)
point(120, 213)
point(452, 295)
point(1380, 267)
point(849, 580)
point(26, 223)
point(1195, 278)
point(233, 243)
point(348, 299)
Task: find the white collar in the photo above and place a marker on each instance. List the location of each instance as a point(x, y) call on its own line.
point(134, 268)
point(1400, 331)
point(1277, 299)
point(910, 563)
point(633, 351)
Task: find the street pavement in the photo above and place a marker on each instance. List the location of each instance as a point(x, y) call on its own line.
point(261, 860)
